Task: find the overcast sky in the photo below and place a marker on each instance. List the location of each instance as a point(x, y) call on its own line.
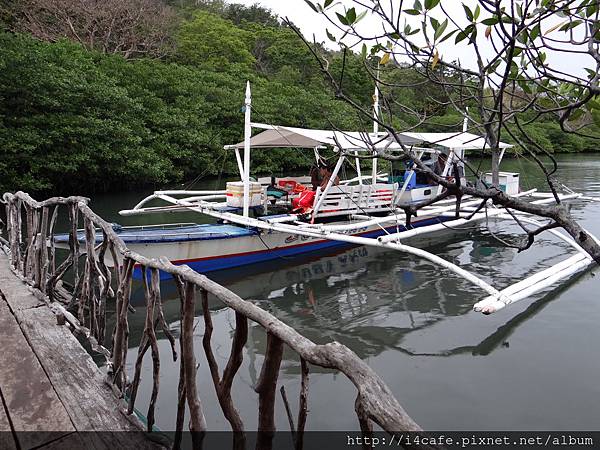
point(312, 23)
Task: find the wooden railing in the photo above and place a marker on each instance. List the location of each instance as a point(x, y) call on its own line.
point(33, 255)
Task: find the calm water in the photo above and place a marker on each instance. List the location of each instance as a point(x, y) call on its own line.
point(533, 366)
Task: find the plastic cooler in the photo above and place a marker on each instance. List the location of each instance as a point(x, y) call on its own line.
point(235, 194)
point(509, 182)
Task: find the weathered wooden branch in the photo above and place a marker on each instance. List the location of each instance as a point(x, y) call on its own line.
point(223, 385)
point(302, 405)
point(266, 388)
point(375, 401)
point(197, 419)
point(121, 333)
point(288, 412)
point(181, 391)
point(152, 295)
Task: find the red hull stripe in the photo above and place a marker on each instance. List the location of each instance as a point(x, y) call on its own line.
point(230, 255)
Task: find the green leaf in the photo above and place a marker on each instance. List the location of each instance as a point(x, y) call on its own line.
point(430, 4)
point(412, 12)
point(361, 16)
point(473, 34)
point(351, 16)
point(468, 12)
point(364, 51)
point(434, 23)
point(327, 3)
point(342, 19)
point(535, 32)
point(418, 5)
point(448, 36)
point(494, 67)
point(330, 36)
point(519, 11)
point(490, 21)
point(470, 32)
point(570, 25)
point(461, 36)
point(477, 12)
point(591, 73)
point(312, 5)
point(523, 37)
point(440, 30)
point(524, 85)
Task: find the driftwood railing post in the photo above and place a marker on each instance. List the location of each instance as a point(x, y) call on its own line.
point(181, 390)
point(302, 405)
point(119, 352)
point(266, 389)
point(34, 259)
point(197, 420)
point(223, 385)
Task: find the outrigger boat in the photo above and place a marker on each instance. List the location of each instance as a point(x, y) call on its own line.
point(274, 218)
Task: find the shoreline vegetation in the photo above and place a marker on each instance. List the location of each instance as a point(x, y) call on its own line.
point(82, 115)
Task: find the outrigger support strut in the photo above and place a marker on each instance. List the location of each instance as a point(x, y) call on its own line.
point(496, 299)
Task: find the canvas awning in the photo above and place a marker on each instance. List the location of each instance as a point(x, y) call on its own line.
point(456, 141)
point(286, 137)
point(291, 137)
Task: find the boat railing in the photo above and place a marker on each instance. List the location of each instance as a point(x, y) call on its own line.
point(30, 246)
point(348, 200)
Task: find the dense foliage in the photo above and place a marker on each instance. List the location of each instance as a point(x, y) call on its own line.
point(74, 120)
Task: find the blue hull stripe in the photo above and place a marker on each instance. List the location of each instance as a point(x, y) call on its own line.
point(228, 262)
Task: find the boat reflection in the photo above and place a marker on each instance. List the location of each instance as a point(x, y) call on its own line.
point(367, 298)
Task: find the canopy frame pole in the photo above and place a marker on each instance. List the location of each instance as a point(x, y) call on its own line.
point(358, 170)
point(332, 178)
point(247, 135)
point(375, 124)
point(447, 166)
point(240, 164)
point(501, 155)
point(317, 155)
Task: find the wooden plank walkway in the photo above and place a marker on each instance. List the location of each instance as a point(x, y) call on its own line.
point(52, 394)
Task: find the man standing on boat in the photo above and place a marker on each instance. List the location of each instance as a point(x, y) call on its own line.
point(326, 172)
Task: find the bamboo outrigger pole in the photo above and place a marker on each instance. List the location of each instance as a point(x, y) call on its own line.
point(247, 135)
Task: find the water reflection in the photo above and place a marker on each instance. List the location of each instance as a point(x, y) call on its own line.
point(413, 323)
point(369, 299)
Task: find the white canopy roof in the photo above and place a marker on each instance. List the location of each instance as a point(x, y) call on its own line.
point(457, 141)
point(278, 137)
point(281, 137)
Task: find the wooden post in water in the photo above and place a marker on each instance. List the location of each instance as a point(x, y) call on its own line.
point(266, 388)
point(197, 419)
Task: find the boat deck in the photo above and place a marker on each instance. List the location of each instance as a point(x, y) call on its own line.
point(162, 233)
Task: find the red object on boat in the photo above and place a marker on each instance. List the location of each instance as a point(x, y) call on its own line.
point(289, 185)
point(304, 201)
